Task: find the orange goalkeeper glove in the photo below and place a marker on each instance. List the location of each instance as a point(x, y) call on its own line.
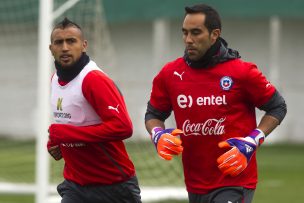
point(234, 161)
point(166, 142)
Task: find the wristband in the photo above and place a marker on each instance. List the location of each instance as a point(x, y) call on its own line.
point(258, 136)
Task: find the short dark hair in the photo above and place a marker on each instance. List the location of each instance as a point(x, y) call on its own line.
point(213, 19)
point(65, 23)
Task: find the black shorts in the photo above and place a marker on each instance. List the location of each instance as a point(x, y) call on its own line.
point(224, 195)
point(126, 192)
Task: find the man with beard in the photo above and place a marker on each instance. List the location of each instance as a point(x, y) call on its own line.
point(90, 123)
point(213, 94)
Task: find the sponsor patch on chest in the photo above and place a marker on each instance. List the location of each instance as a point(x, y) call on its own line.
point(187, 101)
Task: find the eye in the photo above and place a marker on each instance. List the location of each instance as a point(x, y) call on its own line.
point(196, 31)
point(57, 42)
point(71, 40)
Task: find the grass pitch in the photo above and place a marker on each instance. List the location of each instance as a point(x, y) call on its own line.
point(281, 170)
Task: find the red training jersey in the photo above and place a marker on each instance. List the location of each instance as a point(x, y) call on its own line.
point(211, 105)
point(91, 120)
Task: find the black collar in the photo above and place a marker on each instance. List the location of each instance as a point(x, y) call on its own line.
point(218, 53)
point(68, 74)
point(207, 59)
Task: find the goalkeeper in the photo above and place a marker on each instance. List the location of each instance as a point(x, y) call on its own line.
point(213, 94)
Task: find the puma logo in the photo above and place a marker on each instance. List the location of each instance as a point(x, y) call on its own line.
point(179, 75)
point(114, 108)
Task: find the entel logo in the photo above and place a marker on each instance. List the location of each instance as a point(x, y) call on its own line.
point(185, 101)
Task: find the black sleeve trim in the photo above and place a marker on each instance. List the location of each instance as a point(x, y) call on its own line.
point(153, 113)
point(275, 107)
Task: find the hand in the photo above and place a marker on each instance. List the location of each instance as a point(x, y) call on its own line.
point(234, 161)
point(54, 151)
point(166, 142)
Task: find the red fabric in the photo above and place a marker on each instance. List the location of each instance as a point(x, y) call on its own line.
point(86, 162)
point(210, 112)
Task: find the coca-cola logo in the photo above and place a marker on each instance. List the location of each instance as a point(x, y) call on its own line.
point(209, 127)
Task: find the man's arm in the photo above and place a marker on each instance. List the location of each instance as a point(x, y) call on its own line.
point(276, 110)
point(155, 118)
point(165, 140)
point(152, 123)
point(234, 161)
point(268, 124)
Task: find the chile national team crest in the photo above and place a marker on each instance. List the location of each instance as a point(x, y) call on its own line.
point(226, 83)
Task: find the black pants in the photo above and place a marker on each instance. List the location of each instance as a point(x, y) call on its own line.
point(126, 192)
point(224, 195)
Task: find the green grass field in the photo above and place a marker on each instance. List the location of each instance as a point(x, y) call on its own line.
point(281, 170)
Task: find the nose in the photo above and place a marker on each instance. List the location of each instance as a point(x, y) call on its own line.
point(188, 39)
point(65, 46)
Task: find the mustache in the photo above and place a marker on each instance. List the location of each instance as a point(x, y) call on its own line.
point(190, 48)
point(63, 55)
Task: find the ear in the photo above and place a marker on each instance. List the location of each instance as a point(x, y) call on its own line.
point(84, 45)
point(215, 34)
point(50, 48)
